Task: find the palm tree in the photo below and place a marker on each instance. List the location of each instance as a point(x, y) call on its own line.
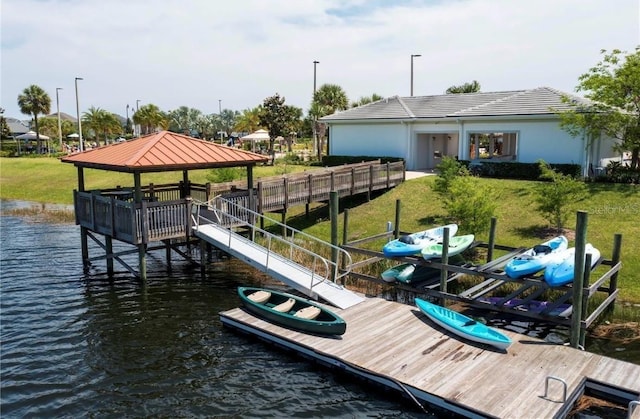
point(472, 87)
point(328, 99)
point(249, 120)
point(34, 101)
point(183, 119)
point(151, 118)
point(366, 99)
point(101, 122)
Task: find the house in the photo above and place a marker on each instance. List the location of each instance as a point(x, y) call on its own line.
point(518, 125)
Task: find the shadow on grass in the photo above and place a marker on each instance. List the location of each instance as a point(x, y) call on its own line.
point(543, 232)
point(621, 188)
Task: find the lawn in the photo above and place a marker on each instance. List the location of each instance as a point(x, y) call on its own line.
point(612, 208)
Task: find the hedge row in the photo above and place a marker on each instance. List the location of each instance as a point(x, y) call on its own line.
point(515, 170)
point(340, 160)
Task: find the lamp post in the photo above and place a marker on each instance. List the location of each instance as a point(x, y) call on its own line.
point(59, 123)
point(127, 122)
point(412, 57)
point(315, 133)
point(78, 113)
point(138, 128)
point(220, 116)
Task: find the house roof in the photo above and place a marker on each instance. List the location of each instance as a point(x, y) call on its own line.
point(539, 101)
point(16, 127)
point(63, 117)
point(163, 151)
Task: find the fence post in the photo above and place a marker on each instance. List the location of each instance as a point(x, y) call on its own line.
point(585, 296)
point(370, 182)
point(388, 176)
point(444, 273)
point(615, 258)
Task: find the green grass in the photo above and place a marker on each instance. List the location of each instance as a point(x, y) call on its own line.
point(612, 208)
point(50, 180)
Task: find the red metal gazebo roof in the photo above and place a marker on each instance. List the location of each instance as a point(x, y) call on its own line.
point(163, 151)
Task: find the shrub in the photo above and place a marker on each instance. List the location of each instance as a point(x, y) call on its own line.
point(470, 204)
point(224, 174)
point(448, 169)
point(554, 196)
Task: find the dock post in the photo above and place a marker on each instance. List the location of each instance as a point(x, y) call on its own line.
point(203, 258)
point(333, 211)
point(615, 258)
point(492, 239)
point(585, 296)
point(108, 243)
point(396, 231)
point(444, 273)
point(578, 277)
point(167, 253)
point(345, 235)
point(142, 261)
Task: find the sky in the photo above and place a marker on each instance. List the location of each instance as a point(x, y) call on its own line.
point(212, 54)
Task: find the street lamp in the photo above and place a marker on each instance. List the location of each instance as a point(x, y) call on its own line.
point(59, 123)
point(78, 112)
point(138, 127)
point(126, 129)
point(220, 115)
point(412, 57)
point(315, 134)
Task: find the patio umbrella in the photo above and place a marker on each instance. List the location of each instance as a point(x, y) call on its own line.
point(31, 135)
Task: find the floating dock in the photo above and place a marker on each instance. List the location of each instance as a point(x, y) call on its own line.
point(395, 345)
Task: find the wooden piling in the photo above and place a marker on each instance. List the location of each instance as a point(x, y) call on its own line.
point(333, 211)
point(396, 231)
point(578, 277)
point(585, 297)
point(492, 239)
point(615, 258)
point(444, 273)
point(345, 235)
point(108, 242)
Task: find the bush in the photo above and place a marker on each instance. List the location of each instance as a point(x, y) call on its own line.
point(470, 204)
point(555, 195)
point(616, 172)
point(340, 160)
point(448, 169)
point(224, 174)
point(516, 170)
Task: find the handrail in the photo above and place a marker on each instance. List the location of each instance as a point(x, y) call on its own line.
point(632, 405)
point(250, 218)
point(564, 386)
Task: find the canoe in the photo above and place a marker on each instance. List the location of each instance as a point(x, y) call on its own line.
point(537, 258)
point(463, 326)
point(534, 306)
point(291, 311)
point(457, 245)
point(409, 273)
point(561, 272)
point(412, 244)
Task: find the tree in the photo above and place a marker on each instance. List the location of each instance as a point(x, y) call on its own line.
point(249, 120)
point(150, 118)
point(556, 194)
point(34, 101)
point(183, 119)
point(472, 87)
point(328, 99)
point(279, 119)
point(614, 86)
point(366, 99)
point(102, 122)
point(228, 119)
point(5, 132)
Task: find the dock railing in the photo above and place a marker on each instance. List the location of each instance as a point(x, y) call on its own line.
point(295, 246)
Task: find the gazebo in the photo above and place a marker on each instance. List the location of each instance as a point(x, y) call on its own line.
point(143, 214)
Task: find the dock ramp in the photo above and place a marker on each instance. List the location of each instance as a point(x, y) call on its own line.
point(285, 257)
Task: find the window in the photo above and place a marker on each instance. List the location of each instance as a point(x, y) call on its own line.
point(493, 145)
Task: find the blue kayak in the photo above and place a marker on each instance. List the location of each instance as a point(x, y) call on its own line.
point(412, 244)
point(561, 272)
point(463, 326)
point(537, 258)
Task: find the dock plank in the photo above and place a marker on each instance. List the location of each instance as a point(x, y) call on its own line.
point(394, 340)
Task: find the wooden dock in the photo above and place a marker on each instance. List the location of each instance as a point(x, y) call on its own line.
point(395, 345)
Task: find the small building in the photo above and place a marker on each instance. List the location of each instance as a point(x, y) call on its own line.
point(520, 126)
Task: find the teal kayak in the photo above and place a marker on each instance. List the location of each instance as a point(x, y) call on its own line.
point(463, 326)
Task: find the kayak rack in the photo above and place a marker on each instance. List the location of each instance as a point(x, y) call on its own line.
point(486, 285)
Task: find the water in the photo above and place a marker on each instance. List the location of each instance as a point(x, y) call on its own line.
point(76, 344)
